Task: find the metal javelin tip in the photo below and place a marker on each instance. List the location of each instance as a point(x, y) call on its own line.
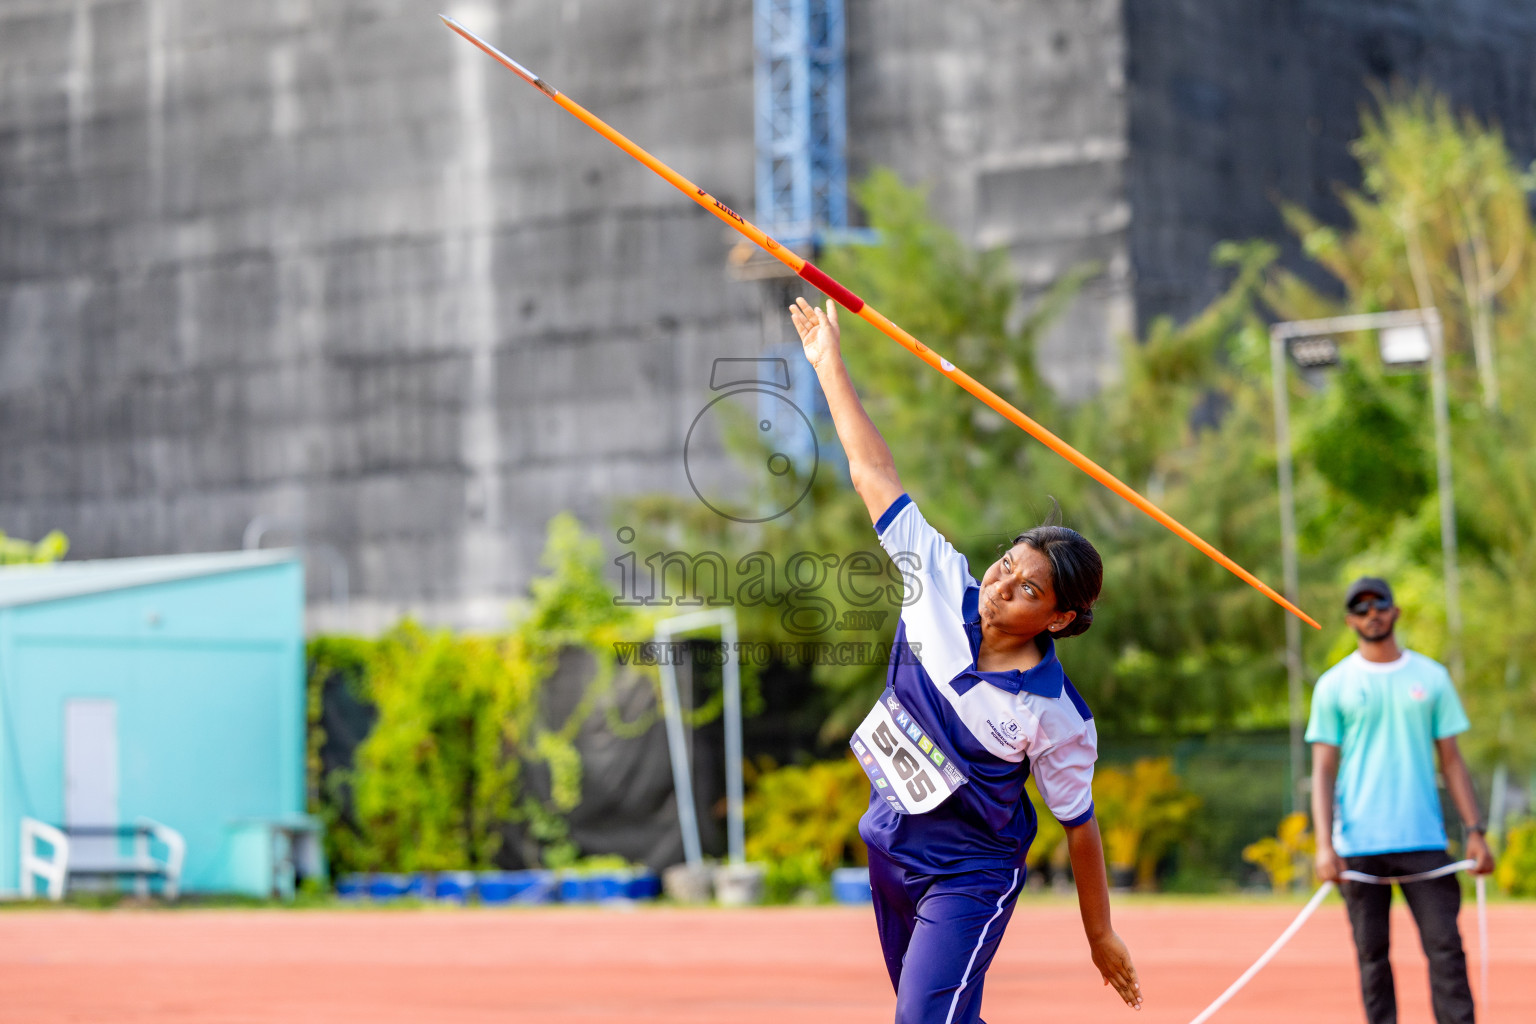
point(507, 62)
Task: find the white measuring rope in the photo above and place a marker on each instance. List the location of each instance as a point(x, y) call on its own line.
point(1422, 876)
point(1269, 954)
point(1482, 939)
point(1360, 876)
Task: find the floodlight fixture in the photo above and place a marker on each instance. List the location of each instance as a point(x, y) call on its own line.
point(1315, 353)
point(1405, 346)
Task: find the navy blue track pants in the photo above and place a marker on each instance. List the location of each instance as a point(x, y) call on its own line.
point(938, 934)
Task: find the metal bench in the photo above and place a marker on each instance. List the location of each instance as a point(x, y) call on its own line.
point(59, 867)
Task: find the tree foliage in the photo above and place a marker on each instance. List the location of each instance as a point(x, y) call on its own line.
point(1178, 644)
point(1442, 219)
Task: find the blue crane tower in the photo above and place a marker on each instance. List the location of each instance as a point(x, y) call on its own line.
point(802, 125)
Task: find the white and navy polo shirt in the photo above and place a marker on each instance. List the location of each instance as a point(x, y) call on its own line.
point(1000, 727)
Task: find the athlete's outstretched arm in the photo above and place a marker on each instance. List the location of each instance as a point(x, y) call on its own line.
point(1109, 953)
point(869, 458)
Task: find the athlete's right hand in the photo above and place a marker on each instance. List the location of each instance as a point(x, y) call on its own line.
point(818, 329)
point(1113, 960)
point(1327, 864)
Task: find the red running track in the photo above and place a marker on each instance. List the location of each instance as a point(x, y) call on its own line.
point(683, 966)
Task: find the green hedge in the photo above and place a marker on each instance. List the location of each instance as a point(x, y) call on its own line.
point(442, 779)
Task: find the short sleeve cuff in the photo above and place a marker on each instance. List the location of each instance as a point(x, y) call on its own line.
point(889, 515)
point(1081, 819)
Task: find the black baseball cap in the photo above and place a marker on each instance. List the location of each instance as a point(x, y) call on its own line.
point(1367, 585)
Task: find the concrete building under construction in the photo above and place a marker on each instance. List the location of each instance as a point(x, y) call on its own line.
point(322, 270)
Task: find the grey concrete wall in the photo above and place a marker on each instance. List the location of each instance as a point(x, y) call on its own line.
point(1014, 113)
point(1234, 106)
point(323, 266)
point(324, 263)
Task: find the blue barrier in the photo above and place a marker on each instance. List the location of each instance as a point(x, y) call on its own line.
point(498, 888)
point(501, 887)
point(608, 886)
point(594, 888)
point(646, 885)
point(352, 887)
point(392, 887)
point(851, 885)
point(454, 886)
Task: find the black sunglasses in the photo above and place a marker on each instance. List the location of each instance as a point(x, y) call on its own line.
point(1364, 605)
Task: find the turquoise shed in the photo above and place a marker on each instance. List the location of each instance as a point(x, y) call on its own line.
point(170, 688)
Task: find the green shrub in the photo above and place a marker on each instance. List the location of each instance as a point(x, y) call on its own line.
point(440, 772)
point(796, 876)
point(1143, 813)
point(1282, 855)
point(440, 781)
point(803, 821)
point(15, 551)
point(1516, 873)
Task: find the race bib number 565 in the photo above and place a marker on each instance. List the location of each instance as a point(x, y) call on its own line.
point(903, 763)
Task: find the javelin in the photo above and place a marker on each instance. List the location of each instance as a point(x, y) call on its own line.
point(814, 275)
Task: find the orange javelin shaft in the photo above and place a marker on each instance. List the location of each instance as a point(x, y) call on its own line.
point(814, 275)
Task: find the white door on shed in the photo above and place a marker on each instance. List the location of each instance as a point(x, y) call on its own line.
point(90, 775)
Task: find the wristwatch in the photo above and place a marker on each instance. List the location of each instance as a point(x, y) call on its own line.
point(1476, 826)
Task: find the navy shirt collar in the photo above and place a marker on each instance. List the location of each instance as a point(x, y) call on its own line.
point(1045, 679)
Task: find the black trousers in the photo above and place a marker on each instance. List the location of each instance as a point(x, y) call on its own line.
point(1435, 904)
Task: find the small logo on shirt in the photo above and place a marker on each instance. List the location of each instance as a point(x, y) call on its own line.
point(925, 745)
point(880, 783)
point(1418, 692)
point(902, 719)
point(937, 758)
point(859, 746)
point(1006, 733)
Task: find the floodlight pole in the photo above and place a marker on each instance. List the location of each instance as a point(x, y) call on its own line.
point(1290, 571)
point(1441, 402)
point(1280, 337)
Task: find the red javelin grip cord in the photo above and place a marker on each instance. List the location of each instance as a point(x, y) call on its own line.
point(830, 288)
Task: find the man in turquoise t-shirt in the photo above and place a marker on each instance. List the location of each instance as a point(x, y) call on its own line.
point(1378, 719)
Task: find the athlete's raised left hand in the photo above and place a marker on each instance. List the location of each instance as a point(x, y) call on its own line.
point(819, 333)
point(1113, 960)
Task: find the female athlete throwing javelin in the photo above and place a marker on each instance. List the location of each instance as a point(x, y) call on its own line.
point(975, 702)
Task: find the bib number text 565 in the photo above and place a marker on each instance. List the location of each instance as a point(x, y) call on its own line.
point(908, 767)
